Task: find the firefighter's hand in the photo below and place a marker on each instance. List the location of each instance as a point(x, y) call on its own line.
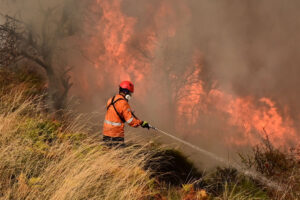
point(145, 124)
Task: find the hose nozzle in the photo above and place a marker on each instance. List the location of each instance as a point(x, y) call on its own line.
point(152, 127)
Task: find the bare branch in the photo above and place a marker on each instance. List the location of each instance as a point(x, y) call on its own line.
point(36, 60)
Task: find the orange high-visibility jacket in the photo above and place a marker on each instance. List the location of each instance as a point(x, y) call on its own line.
point(113, 125)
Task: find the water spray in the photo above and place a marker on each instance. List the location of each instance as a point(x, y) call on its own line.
point(262, 179)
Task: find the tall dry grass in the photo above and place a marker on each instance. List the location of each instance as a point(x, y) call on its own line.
point(94, 173)
point(45, 159)
point(42, 158)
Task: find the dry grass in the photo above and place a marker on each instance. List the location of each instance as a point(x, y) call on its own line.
point(46, 159)
point(233, 193)
point(92, 172)
point(43, 159)
point(278, 165)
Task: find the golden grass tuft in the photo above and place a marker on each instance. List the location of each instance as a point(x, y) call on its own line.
point(44, 159)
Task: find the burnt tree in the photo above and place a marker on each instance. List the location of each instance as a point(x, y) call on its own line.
point(19, 41)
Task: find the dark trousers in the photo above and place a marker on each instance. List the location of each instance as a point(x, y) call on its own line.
point(113, 141)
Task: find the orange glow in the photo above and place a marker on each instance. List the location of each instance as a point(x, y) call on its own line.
point(254, 117)
point(123, 53)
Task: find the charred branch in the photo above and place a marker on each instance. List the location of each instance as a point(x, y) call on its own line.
point(18, 41)
point(36, 60)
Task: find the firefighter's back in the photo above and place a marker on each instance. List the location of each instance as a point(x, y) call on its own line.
point(114, 124)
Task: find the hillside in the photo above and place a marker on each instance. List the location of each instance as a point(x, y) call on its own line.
point(47, 158)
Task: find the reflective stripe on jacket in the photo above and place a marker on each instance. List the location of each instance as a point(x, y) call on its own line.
point(113, 125)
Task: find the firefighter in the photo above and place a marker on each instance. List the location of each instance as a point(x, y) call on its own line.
point(118, 113)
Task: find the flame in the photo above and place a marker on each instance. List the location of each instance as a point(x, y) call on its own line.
point(256, 118)
point(116, 28)
point(121, 51)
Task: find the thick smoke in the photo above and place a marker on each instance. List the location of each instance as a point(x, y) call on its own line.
point(251, 47)
point(244, 48)
point(58, 21)
point(247, 49)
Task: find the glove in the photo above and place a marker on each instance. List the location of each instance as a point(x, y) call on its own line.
point(145, 124)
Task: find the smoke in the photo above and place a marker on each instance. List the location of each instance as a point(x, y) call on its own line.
point(251, 47)
point(215, 72)
point(247, 49)
point(206, 69)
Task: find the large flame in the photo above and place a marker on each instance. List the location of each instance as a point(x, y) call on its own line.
point(117, 29)
point(256, 118)
point(122, 51)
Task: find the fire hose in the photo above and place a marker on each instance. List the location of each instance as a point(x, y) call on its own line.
point(259, 177)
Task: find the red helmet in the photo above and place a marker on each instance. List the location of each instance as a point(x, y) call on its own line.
point(127, 85)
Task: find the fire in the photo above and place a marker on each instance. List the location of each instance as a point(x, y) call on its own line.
point(121, 51)
point(117, 29)
point(256, 118)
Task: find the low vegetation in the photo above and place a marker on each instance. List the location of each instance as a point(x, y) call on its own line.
point(46, 158)
point(280, 166)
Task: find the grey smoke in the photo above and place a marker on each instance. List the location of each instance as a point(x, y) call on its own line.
point(248, 47)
